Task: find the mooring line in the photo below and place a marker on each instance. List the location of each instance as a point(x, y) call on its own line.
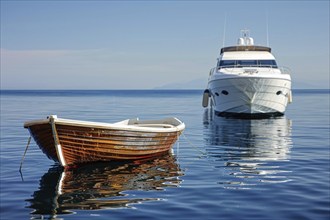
point(27, 146)
point(194, 146)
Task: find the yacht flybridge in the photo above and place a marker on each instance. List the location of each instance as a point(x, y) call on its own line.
point(247, 82)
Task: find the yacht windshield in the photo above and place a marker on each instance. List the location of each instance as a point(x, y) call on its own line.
point(247, 63)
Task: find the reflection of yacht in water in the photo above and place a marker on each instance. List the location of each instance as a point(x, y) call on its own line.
point(101, 185)
point(251, 150)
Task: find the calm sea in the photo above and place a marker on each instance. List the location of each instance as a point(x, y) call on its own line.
point(220, 168)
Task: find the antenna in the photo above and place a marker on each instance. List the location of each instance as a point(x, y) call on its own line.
point(267, 28)
point(224, 31)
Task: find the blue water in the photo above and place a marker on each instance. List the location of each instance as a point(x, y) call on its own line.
point(220, 168)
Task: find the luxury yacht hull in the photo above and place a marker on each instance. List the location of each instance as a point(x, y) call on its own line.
point(250, 95)
point(248, 82)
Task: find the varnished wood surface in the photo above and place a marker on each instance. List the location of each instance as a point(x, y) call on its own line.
point(87, 144)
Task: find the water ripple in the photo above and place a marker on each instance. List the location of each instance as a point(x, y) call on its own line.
point(102, 185)
point(251, 152)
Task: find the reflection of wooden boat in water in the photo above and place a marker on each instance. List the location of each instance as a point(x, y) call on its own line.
point(102, 185)
point(72, 141)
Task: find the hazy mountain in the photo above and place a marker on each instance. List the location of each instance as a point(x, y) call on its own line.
point(201, 83)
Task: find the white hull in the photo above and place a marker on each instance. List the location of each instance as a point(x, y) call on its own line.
point(248, 81)
point(250, 94)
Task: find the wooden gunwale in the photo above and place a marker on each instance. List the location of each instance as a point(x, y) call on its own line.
point(110, 132)
point(114, 136)
point(115, 127)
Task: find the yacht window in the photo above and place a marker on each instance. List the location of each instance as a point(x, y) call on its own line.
point(247, 63)
point(268, 63)
point(227, 63)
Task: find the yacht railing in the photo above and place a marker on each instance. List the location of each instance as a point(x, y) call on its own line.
point(241, 66)
point(284, 70)
point(211, 71)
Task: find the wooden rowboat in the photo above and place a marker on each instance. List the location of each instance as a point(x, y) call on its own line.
point(72, 142)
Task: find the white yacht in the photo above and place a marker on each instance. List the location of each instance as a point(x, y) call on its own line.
point(247, 82)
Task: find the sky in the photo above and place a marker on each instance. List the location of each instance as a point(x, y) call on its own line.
point(153, 44)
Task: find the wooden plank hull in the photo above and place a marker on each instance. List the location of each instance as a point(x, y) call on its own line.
point(82, 144)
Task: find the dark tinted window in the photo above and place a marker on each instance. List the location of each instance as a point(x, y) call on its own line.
point(247, 63)
point(227, 62)
point(271, 63)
